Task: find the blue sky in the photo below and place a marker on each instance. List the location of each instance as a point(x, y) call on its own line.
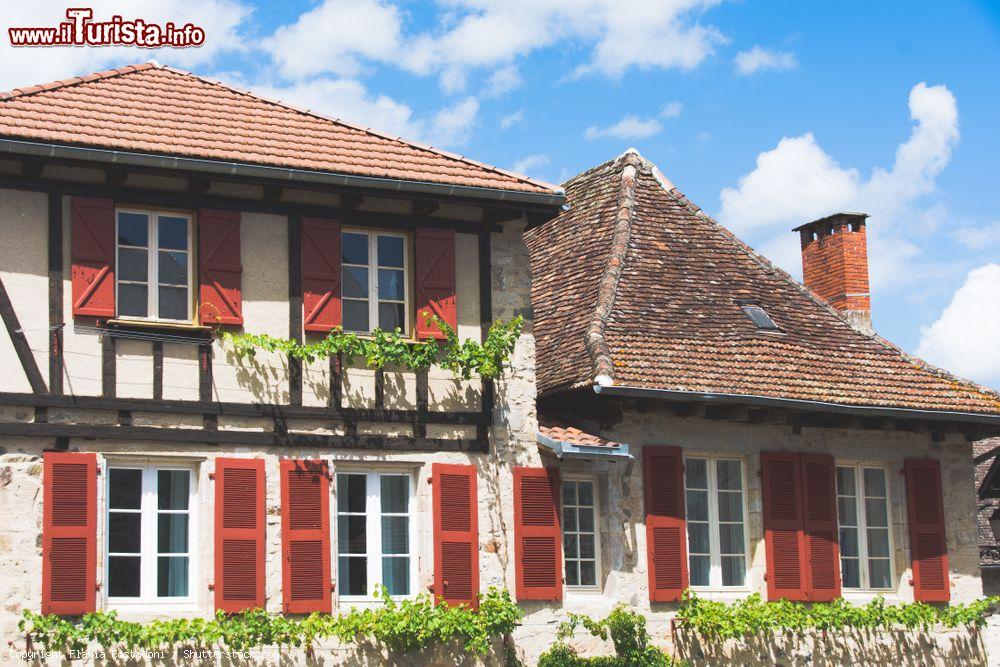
point(765, 113)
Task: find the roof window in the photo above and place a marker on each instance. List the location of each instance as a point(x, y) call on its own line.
point(758, 316)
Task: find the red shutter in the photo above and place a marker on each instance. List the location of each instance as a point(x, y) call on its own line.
point(456, 534)
point(219, 267)
point(787, 575)
point(69, 533)
point(321, 274)
point(537, 534)
point(239, 534)
point(928, 544)
point(92, 241)
point(819, 496)
point(435, 280)
point(666, 542)
point(305, 536)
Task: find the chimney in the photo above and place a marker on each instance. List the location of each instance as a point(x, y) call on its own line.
point(835, 265)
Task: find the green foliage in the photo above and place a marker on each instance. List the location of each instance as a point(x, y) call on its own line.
point(627, 630)
point(753, 615)
point(405, 626)
point(383, 348)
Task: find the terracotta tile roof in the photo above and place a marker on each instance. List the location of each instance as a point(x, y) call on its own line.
point(985, 507)
point(150, 108)
point(561, 431)
point(636, 272)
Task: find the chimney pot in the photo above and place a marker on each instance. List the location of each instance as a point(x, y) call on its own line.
point(835, 264)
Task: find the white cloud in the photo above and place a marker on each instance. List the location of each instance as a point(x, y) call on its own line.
point(503, 80)
point(671, 110)
point(453, 126)
point(528, 165)
point(222, 20)
point(629, 127)
point(978, 237)
point(512, 119)
point(758, 59)
point(964, 338)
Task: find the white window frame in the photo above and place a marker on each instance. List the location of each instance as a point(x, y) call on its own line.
point(714, 546)
point(861, 514)
point(373, 267)
point(149, 551)
point(152, 264)
point(598, 578)
point(373, 532)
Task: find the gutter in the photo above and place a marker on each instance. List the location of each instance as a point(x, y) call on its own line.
point(170, 162)
point(798, 404)
point(567, 450)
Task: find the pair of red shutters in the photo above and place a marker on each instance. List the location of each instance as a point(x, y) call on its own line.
point(800, 526)
point(69, 550)
point(220, 269)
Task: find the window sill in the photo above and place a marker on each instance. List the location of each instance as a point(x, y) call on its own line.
point(148, 608)
point(728, 594)
point(189, 332)
point(866, 596)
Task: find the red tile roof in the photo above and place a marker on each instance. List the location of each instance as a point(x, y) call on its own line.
point(636, 283)
point(150, 108)
point(559, 430)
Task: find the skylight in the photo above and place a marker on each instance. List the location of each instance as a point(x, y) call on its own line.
point(759, 317)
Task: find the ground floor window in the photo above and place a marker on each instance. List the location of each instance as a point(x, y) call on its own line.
point(716, 522)
point(863, 514)
point(581, 549)
point(374, 545)
point(149, 533)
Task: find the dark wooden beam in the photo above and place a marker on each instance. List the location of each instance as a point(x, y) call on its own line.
point(496, 216)
point(157, 370)
point(295, 306)
point(32, 168)
point(335, 400)
point(350, 200)
point(273, 193)
point(199, 185)
point(55, 293)
point(424, 208)
point(536, 218)
point(115, 176)
point(486, 321)
point(109, 361)
point(20, 342)
point(204, 373)
point(379, 388)
point(419, 426)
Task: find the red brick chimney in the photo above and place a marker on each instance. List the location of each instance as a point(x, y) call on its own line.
point(835, 264)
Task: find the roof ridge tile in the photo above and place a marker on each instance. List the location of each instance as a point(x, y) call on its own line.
point(86, 78)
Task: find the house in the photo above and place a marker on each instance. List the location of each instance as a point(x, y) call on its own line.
point(677, 411)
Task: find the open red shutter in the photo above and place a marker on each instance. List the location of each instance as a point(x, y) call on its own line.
point(666, 542)
point(787, 575)
point(69, 533)
point(928, 544)
point(456, 534)
point(239, 534)
point(321, 274)
point(92, 242)
point(819, 494)
point(220, 268)
point(435, 280)
point(537, 534)
point(305, 536)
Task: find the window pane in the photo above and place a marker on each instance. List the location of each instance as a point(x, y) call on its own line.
point(700, 567)
point(391, 316)
point(588, 573)
point(172, 533)
point(845, 481)
point(731, 538)
point(390, 251)
point(123, 576)
point(172, 576)
point(878, 542)
point(875, 512)
point(352, 575)
point(351, 493)
point(847, 512)
point(695, 474)
point(133, 301)
point(354, 248)
point(355, 282)
point(697, 505)
point(355, 315)
point(587, 546)
point(173, 487)
point(395, 535)
point(850, 573)
point(124, 532)
point(733, 571)
point(396, 575)
point(730, 506)
point(569, 493)
point(351, 534)
point(133, 264)
point(698, 537)
point(173, 268)
point(571, 546)
point(172, 232)
point(390, 284)
point(133, 229)
point(729, 474)
point(572, 573)
point(586, 520)
point(586, 491)
point(395, 493)
point(174, 303)
point(126, 489)
point(848, 541)
point(874, 482)
point(878, 573)
point(569, 519)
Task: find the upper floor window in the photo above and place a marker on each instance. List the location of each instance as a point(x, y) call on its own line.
point(581, 551)
point(716, 522)
point(154, 265)
point(863, 514)
point(375, 290)
point(149, 533)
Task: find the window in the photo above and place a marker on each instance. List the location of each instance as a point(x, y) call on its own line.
point(149, 534)
point(581, 550)
point(373, 534)
point(154, 265)
point(863, 514)
point(758, 316)
point(716, 519)
point(374, 288)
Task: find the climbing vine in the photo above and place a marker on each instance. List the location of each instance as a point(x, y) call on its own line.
point(404, 626)
point(382, 348)
point(627, 631)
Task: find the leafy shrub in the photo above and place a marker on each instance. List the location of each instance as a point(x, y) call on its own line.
point(627, 630)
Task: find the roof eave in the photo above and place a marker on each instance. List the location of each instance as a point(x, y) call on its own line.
point(564, 450)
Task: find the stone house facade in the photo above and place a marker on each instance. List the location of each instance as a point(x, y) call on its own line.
point(674, 409)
